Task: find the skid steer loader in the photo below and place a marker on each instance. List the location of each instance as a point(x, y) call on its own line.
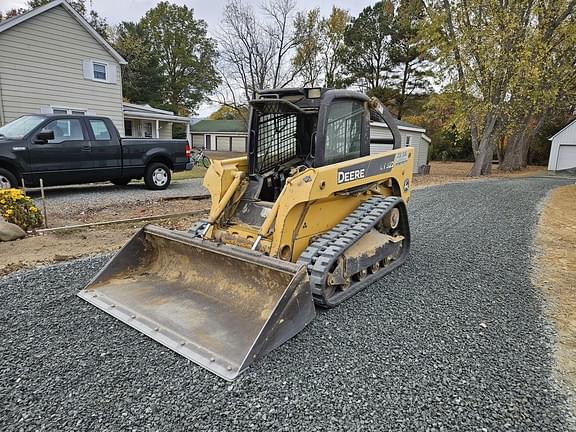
point(308, 217)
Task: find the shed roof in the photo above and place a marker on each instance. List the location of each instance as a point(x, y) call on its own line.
point(219, 126)
point(562, 130)
point(14, 21)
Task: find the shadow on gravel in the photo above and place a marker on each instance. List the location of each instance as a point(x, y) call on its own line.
point(454, 340)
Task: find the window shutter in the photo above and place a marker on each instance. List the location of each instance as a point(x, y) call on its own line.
point(112, 74)
point(87, 68)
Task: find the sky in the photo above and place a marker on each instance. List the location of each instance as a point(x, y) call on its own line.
point(116, 11)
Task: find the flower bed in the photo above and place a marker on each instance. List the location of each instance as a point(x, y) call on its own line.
point(19, 209)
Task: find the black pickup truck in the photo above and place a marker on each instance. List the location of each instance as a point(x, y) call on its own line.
point(68, 149)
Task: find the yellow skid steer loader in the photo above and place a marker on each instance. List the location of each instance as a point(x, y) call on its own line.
point(308, 217)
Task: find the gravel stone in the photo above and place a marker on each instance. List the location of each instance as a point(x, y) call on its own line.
point(80, 197)
point(453, 340)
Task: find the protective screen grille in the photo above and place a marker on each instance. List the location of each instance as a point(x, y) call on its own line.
point(276, 140)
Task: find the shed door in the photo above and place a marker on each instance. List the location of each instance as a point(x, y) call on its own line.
point(198, 141)
point(239, 144)
point(566, 157)
point(222, 143)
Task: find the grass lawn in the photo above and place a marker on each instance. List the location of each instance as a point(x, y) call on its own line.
point(196, 172)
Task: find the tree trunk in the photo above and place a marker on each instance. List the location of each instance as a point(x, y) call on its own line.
point(484, 148)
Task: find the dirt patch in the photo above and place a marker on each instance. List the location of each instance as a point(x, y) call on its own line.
point(451, 172)
point(557, 276)
point(51, 247)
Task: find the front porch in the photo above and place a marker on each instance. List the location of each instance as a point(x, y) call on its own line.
point(143, 121)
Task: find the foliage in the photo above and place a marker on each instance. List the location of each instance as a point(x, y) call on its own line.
point(499, 57)
point(229, 113)
point(19, 209)
point(186, 55)
point(319, 44)
point(142, 78)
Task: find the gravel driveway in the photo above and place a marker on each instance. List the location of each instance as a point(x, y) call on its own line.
point(454, 340)
point(104, 194)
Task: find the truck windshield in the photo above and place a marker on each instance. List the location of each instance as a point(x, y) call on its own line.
point(20, 127)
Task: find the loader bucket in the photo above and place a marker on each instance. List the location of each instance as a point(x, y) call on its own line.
point(222, 307)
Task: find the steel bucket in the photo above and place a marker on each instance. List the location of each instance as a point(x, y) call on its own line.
point(222, 307)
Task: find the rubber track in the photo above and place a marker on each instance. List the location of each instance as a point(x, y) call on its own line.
point(322, 253)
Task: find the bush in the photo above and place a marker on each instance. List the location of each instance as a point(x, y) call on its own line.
point(19, 209)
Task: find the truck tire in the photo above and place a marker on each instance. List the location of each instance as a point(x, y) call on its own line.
point(7, 179)
point(121, 181)
point(157, 176)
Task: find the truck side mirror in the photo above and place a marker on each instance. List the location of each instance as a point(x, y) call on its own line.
point(43, 137)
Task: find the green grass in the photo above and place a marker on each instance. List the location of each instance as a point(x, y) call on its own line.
point(196, 172)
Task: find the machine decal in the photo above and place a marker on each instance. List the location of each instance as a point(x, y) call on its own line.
point(401, 158)
point(366, 169)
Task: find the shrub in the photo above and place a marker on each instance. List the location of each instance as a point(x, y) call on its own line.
point(19, 209)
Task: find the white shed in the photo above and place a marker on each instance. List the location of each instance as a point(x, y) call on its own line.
point(412, 135)
point(563, 150)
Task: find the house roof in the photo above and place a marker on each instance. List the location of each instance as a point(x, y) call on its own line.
point(236, 126)
point(562, 130)
point(134, 111)
point(11, 22)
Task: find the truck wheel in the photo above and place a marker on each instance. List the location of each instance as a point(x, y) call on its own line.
point(121, 181)
point(7, 179)
point(157, 176)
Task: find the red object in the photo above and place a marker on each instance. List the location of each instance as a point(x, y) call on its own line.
point(188, 151)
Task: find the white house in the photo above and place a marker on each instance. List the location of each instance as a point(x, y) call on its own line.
point(411, 135)
point(563, 149)
point(53, 61)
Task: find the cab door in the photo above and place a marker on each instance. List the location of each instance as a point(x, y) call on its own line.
point(66, 159)
point(106, 150)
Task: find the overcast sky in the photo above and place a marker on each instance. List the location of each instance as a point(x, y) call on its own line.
point(116, 11)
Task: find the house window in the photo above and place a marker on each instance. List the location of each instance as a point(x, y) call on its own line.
point(408, 139)
point(128, 128)
point(100, 71)
point(69, 111)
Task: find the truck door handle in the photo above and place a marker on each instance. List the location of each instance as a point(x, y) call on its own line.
point(86, 147)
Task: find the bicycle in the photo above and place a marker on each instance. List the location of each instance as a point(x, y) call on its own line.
point(198, 157)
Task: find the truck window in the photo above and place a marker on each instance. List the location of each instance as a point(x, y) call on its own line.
point(65, 130)
point(101, 132)
point(344, 131)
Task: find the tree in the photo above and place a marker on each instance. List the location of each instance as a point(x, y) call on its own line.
point(408, 54)
point(186, 55)
point(254, 49)
point(142, 77)
point(367, 40)
point(319, 42)
point(492, 51)
point(229, 113)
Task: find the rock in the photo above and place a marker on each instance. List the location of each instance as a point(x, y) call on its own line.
point(9, 232)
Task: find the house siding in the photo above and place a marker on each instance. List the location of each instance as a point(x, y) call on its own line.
point(41, 66)
point(563, 149)
point(416, 140)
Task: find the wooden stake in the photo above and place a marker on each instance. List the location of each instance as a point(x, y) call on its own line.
point(44, 202)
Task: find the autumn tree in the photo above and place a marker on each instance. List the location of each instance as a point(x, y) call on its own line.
point(142, 77)
point(186, 55)
point(319, 45)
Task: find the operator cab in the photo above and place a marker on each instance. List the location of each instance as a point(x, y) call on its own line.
point(292, 130)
